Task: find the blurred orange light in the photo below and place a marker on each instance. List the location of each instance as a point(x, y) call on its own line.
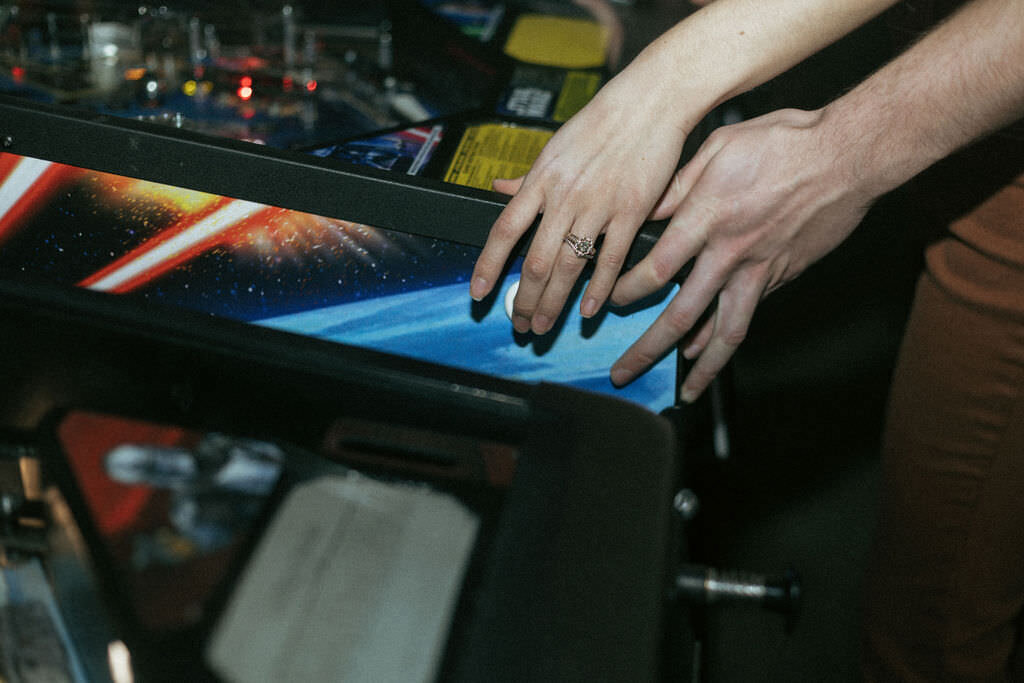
point(134, 73)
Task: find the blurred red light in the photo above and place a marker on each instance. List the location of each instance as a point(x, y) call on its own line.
point(311, 85)
point(245, 92)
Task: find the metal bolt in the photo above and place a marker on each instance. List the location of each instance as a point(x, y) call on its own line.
point(8, 504)
point(686, 504)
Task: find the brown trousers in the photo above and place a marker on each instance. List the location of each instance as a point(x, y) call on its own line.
point(945, 588)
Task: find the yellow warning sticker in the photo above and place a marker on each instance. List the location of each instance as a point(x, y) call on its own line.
point(577, 89)
point(564, 42)
point(494, 150)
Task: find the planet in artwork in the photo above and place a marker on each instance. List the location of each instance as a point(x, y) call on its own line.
point(443, 325)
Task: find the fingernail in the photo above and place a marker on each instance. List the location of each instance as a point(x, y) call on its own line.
point(691, 351)
point(621, 376)
point(541, 324)
point(687, 395)
point(521, 323)
point(478, 288)
point(589, 307)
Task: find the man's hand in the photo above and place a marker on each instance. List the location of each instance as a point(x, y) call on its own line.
point(759, 202)
point(764, 199)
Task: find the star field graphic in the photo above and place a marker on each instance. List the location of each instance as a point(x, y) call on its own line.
point(295, 271)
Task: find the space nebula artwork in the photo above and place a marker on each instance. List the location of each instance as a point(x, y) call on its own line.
point(301, 273)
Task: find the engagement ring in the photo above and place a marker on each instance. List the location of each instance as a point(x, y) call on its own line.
point(581, 246)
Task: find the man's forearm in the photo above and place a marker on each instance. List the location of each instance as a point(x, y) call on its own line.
point(962, 80)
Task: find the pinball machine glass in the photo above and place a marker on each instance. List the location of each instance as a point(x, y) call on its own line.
point(294, 271)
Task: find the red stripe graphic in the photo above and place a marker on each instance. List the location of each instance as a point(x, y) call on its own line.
point(176, 245)
point(25, 186)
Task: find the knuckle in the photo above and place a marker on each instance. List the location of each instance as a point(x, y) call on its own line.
point(712, 211)
point(555, 181)
point(733, 337)
point(632, 200)
point(549, 309)
point(569, 261)
point(573, 184)
point(535, 268)
point(523, 309)
point(643, 359)
point(701, 377)
point(612, 259)
point(506, 228)
point(661, 271)
point(679, 322)
point(733, 331)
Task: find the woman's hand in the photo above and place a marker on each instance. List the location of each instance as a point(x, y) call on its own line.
point(759, 202)
point(600, 174)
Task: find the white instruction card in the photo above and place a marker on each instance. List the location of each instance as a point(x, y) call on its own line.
point(354, 580)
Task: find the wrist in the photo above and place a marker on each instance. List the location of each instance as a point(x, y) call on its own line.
point(668, 77)
point(960, 82)
point(730, 46)
point(875, 148)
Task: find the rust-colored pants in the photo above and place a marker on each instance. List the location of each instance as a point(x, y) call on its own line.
point(945, 588)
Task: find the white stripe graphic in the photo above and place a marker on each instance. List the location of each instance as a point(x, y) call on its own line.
point(19, 181)
point(212, 225)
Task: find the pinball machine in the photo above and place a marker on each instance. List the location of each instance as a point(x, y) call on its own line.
point(256, 421)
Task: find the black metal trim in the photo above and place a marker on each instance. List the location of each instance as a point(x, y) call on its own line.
point(82, 311)
point(241, 170)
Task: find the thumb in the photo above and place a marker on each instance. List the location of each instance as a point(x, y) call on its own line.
point(506, 185)
point(680, 185)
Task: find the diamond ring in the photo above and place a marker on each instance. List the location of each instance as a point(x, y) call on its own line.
point(581, 246)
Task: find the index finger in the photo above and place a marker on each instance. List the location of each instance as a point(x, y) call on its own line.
point(515, 219)
point(672, 324)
